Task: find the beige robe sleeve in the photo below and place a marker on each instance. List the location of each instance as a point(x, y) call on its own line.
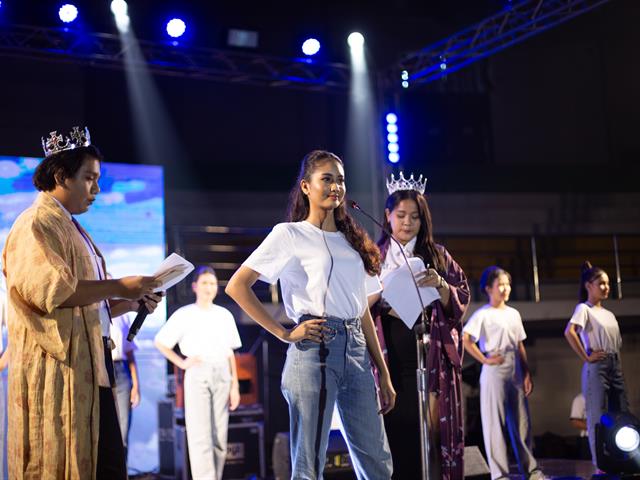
point(40, 279)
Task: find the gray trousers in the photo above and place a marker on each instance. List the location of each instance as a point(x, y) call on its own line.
point(505, 412)
point(604, 391)
point(123, 398)
point(206, 414)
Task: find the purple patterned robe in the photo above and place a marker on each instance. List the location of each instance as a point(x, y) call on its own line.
point(445, 366)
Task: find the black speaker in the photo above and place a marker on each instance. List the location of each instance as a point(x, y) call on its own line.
point(245, 452)
point(338, 465)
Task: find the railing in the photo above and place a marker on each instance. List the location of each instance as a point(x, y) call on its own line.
point(542, 267)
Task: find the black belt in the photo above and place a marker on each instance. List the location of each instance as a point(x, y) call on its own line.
point(108, 361)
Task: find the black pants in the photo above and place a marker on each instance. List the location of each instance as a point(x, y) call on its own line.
point(111, 458)
point(403, 422)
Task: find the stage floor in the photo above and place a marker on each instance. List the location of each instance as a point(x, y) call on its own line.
point(557, 468)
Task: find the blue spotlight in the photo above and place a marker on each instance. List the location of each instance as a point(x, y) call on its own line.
point(392, 138)
point(443, 66)
point(311, 46)
point(68, 13)
point(176, 27)
point(405, 84)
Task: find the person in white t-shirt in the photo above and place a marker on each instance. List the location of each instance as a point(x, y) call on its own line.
point(326, 265)
point(126, 372)
point(505, 381)
point(207, 336)
point(593, 333)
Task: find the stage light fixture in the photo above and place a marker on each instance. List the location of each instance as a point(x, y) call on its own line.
point(176, 27)
point(311, 46)
point(627, 439)
point(355, 40)
point(405, 84)
point(443, 66)
point(120, 11)
point(68, 13)
point(392, 137)
point(618, 443)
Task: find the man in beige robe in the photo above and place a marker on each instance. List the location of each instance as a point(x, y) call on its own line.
point(58, 376)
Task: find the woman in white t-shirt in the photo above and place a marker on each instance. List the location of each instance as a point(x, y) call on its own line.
point(207, 335)
point(326, 265)
point(593, 333)
point(505, 381)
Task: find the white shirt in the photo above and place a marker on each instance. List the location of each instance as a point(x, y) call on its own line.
point(119, 331)
point(208, 333)
point(96, 263)
point(297, 255)
point(579, 411)
point(496, 329)
point(599, 328)
point(394, 258)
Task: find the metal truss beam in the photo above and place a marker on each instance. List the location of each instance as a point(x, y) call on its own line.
point(107, 51)
point(491, 35)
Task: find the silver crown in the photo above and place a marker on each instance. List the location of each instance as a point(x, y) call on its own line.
point(402, 183)
point(57, 143)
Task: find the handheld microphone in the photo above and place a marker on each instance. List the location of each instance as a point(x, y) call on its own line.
point(139, 320)
point(355, 206)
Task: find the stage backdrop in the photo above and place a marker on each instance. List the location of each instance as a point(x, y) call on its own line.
point(127, 223)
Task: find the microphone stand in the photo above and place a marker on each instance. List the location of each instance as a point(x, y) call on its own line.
point(422, 332)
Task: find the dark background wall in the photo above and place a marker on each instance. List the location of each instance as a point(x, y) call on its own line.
point(556, 113)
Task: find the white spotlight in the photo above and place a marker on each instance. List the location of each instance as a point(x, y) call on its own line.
point(355, 40)
point(119, 8)
point(68, 13)
point(120, 11)
point(311, 46)
point(176, 27)
point(627, 439)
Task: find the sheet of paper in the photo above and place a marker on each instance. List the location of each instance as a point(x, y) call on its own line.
point(172, 270)
point(400, 291)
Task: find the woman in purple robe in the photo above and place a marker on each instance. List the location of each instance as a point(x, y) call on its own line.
point(408, 217)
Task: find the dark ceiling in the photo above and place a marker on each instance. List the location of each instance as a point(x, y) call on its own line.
point(391, 28)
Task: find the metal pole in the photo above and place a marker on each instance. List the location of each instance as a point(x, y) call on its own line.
point(422, 375)
point(618, 277)
point(534, 263)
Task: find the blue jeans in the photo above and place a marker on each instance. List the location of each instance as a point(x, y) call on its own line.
point(604, 391)
point(345, 371)
point(123, 397)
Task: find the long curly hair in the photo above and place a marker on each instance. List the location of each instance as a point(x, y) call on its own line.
point(425, 245)
point(299, 210)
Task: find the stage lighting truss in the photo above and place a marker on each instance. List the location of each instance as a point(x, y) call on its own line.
point(512, 25)
point(105, 50)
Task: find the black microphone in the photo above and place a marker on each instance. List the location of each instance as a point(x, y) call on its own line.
point(139, 320)
point(355, 206)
